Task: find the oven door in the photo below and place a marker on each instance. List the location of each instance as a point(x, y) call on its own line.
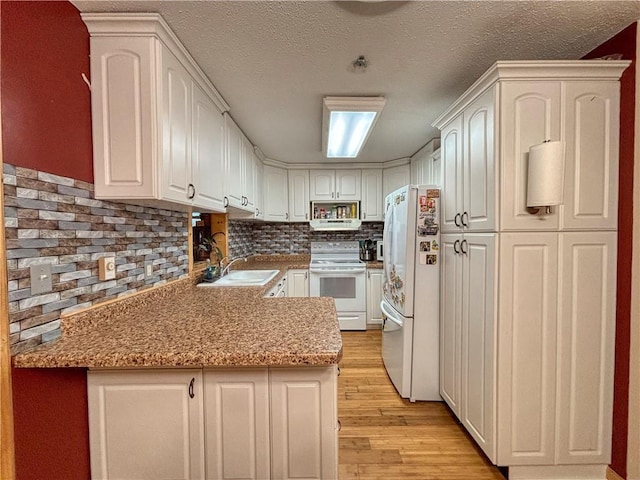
point(345, 285)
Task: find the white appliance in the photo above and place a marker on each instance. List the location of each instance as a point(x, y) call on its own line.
point(380, 250)
point(336, 271)
point(410, 304)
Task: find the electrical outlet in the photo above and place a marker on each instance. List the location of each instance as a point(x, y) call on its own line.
point(107, 268)
point(40, 276)
point(148, 269)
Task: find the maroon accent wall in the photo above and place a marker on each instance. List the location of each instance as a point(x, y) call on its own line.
point(46, 105)
point(624, 43)
point(46, 126)
point(51, 424)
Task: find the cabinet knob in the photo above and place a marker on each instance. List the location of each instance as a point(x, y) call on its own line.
point(191, 385)
point(191, 191)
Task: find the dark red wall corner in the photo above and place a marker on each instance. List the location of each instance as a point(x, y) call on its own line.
point(624, 43)
point(46, 105)
point(51, 423)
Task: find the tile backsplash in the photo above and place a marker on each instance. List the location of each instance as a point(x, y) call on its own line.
point(56, 220)
point(267, 238)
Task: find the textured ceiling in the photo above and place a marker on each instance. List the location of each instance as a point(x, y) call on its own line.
point(274, 61)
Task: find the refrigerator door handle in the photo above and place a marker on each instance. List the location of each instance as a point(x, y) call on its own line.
point(390, 316)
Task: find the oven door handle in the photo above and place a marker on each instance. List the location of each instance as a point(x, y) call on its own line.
point(337, 270)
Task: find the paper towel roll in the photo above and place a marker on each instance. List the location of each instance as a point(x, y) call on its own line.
point(545, 184)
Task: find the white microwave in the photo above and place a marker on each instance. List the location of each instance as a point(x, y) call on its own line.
point(380, 251)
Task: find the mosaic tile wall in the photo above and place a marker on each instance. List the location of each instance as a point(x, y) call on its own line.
point(56, 220)
point(292, 238)
point(240, 241)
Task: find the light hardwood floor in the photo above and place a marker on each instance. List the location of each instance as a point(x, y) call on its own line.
point(386, 437)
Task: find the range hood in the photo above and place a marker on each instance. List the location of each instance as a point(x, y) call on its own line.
point(334, 224)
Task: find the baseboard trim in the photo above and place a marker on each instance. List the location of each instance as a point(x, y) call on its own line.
point(611, 475)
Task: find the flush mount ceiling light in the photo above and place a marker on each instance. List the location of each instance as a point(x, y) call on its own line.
point(346, 124)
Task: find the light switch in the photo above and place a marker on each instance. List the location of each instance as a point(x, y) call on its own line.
point(107, 268)
point(40, 278)
point(148, 269)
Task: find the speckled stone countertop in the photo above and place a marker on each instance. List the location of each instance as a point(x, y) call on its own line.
point(181, 325)
point(374, 265)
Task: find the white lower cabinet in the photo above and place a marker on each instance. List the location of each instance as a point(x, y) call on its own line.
point(298, 283)
point(374, 296)
point(237, 423)
point(304, 423)
point(220, 423)
point(145, 425)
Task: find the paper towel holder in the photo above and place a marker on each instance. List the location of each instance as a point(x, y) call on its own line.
point(545, 179)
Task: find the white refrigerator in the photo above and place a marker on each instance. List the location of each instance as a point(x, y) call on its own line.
point(411, 291)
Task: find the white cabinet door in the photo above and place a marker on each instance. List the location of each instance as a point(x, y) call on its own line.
point(304, 423)
point(436, 169)
point(176, 130)
point(298, 196)
point(372, 207)
point(348, 184)
point(298, 283)
point(237, 423)
point(529, 115)
point(451, 153)
point(249, 180)
point(123, 127)
point(527, 348)
point(417, 169)
point(322, 184)
point(144, 424)
point(207, 153)
point(478, 343)
point(592, 117)
point(276, 200)
point(234, 170)
point(586, 327)
point(394, 178)
point(451, 320)
point(478, 171)
point(259, 188)
point(374, 296)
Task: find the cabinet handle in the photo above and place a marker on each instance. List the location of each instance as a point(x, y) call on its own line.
point(226, 202)
point(191, 189)
point(286, 215)
point(465, 224)
point(339, 425)
point(332, 195)
point(456, 244)
point(456, 218)
point(306, 275)
point(364, 215)
point(306, 216)
point(463, 244)
point(338, 195)
point(191, 383)
point(338, 371)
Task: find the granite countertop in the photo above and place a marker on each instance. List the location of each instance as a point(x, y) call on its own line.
point(374, 264)
point(181, 325)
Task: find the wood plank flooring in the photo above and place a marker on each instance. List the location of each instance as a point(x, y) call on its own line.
point(386, 437)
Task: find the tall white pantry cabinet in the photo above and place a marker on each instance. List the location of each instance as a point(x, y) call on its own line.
point(528, 299)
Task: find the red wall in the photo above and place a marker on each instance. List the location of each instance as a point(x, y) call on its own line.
point(51, 424)
point(46, 106)
point(46, 125)
point(624, 43)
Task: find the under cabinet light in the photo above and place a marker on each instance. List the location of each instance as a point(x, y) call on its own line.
point(347, 123)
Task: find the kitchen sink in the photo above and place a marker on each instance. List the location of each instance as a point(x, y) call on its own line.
point(243, 278)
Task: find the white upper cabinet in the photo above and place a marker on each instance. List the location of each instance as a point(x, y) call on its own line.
point(276, 200)
point(334, 185)
point(240, 169)
point(298, 196)
point(148, 99)
point(259, 187)
point(452, 176)
point(207, 152)
point(424, 170)
point(372, 206)
point(530, 114)
point(394, 178)
point(592, 117)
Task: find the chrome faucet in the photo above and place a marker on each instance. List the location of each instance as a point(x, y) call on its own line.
point(225, 270)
